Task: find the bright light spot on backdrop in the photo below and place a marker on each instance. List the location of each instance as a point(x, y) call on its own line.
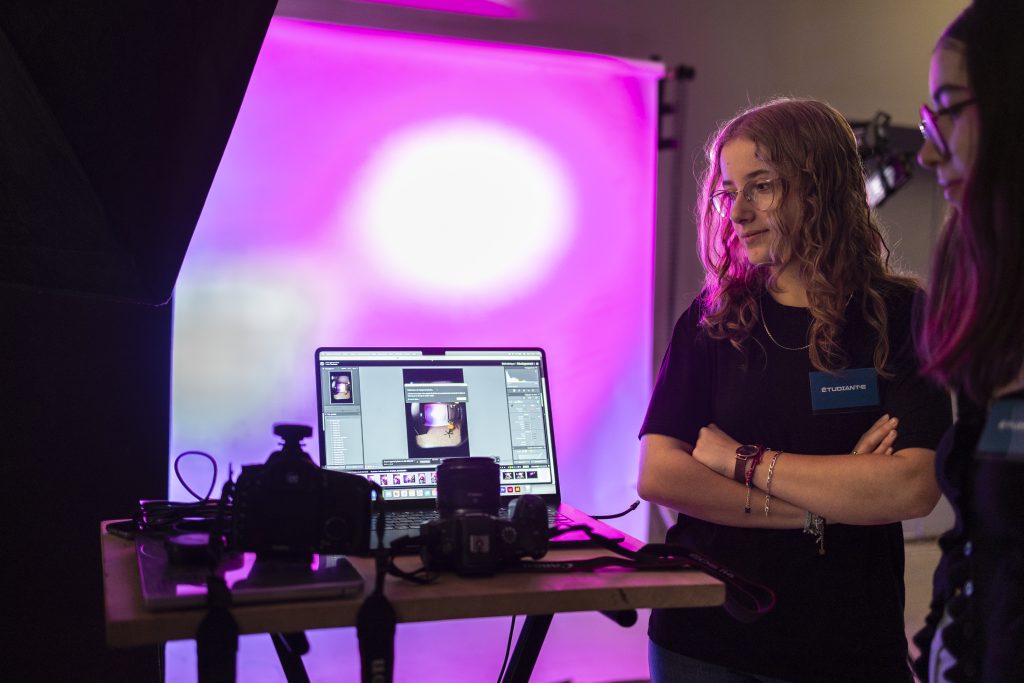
point(433, 198)
point(386, 189)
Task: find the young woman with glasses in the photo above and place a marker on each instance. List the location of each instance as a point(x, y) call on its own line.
point(973, 342)
point(788, 425)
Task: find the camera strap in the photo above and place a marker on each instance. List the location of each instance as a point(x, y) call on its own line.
point(745, 600)
point(217, 635)
point(375, 627)
point(375, 622)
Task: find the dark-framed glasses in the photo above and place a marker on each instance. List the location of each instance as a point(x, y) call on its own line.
point(760, 193)
point(930, 124)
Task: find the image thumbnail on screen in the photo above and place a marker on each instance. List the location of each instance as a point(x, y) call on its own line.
point(435, 413)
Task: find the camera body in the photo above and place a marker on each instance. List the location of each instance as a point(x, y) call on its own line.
point(290, 506)
point(479, 544)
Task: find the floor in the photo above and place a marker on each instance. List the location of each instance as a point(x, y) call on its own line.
point(580, 647)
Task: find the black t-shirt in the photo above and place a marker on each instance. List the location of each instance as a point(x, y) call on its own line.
point(838, 616)
point(979, 580)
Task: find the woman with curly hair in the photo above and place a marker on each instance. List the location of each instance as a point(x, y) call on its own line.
point(972, 341)
point(788, 425)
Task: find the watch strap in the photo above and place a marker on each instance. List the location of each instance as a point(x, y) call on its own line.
point(743, 459)
point(740, 471)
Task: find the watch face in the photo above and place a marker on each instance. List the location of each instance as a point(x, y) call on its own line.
point(747, 451)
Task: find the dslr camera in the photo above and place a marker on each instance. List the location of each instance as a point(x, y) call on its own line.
point(479, 544)
point(291, 507)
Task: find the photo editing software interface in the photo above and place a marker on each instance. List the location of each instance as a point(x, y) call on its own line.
point(394, 416)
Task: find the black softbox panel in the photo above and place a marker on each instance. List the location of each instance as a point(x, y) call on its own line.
point(114, 115)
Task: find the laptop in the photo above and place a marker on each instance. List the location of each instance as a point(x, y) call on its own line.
point(169, 586)
point(393, 415)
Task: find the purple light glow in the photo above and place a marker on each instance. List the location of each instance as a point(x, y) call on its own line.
point(499, 9)
point(435, 414)
point(233, 576)
point(537, 230)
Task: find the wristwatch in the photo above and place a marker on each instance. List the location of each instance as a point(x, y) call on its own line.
point(744, 454)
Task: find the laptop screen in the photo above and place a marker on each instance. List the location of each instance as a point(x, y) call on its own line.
point(393, 415)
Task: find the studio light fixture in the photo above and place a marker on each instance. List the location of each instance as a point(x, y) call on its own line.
point(887, 168)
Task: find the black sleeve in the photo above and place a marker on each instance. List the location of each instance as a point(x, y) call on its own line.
point(681, 402)
point(924, 409)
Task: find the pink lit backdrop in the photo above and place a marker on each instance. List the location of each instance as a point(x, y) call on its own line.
point(386, 189)
point(499, 9)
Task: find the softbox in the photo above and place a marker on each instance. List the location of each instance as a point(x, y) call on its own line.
point(113, 118)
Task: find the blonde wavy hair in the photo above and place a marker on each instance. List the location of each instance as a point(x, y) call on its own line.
point(835, 243)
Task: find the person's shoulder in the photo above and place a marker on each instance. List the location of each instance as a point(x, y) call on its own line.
point(692, 317)
point(901, 295)
point(689, 326)
point(903, 299)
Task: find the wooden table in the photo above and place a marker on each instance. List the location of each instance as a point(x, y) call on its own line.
point(450, 597)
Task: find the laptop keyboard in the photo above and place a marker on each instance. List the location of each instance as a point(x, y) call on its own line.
point(410, 520)
point(556, 518)
point(406, 519)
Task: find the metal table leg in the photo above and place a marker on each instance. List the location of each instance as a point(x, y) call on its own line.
point(290, 648)
point(527, 649)
point(531, 638)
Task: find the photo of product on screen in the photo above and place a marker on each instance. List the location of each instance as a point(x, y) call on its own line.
point(341, 387)
point(436, 401)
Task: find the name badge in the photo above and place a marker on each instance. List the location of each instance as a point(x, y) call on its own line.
point(1003, 436)
point(853, 390)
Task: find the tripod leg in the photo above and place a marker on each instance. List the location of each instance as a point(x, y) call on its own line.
point(623, 617)
point(527, 649)
point(291, 660)
point(297, 642)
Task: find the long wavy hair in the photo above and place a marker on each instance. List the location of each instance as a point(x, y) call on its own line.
point(835, 243)
point(972, 332)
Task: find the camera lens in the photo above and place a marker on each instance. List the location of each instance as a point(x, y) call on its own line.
point(467, 485)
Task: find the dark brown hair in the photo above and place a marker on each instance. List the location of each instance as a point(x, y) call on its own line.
point(972, 332)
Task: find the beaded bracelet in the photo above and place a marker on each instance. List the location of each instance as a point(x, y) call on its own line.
point(749, 478)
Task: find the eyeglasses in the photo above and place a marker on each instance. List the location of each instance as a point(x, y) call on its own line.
point(760, 193)
point(930, 124)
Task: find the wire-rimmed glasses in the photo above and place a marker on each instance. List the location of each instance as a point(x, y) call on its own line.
point(760, 193)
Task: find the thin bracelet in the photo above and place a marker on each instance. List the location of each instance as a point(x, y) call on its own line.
point(768, 483)
point(749, 479)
